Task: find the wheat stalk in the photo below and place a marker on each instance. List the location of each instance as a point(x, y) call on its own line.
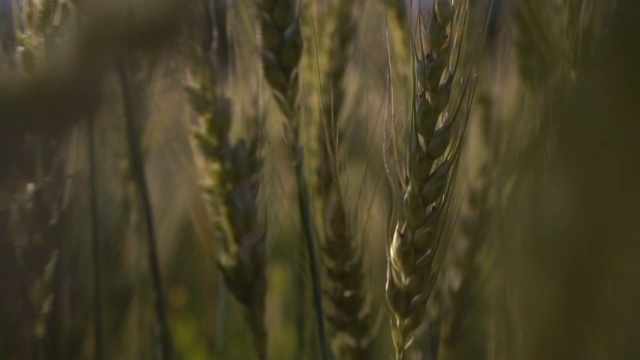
point(133, 139)
point(412, 267)
point(95, 237)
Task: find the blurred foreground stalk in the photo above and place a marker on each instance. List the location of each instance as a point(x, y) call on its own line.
point(570, 223)
point(136, 159)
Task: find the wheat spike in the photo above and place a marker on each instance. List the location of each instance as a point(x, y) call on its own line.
point(433, 153)
point(350, 318)
point(281, 52)
point(230, 187)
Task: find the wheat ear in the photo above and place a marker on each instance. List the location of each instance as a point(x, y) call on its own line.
point(230, 187)
point(350, 318)
point(411, 269)
point(281, 52)
point(40, 212)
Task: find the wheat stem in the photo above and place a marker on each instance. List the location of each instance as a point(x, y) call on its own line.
point(95, 236)
point(163, 337)
point(303, 205)
point(281, 51)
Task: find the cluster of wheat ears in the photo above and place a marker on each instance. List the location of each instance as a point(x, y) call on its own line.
point(451, 155)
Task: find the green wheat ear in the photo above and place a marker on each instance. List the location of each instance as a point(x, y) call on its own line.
point(349, 314)
point(435, 139)
point(230, 192)
point(281, 53)
point(230, 189)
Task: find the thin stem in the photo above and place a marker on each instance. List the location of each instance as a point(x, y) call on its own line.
point(221, 317)
point(39, 348)
point(135, 154)
point(97, 306)
point(305, 218)
point(299, 311)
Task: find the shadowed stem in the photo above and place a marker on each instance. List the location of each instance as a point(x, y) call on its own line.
point(39, 348)
point(97, 306)
point(281, 51)
point(221, 319)
point(137, 168)
point(305, 218)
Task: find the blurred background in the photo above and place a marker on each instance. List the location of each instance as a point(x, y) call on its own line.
point(551, 149)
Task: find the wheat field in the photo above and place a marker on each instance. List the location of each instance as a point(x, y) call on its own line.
point(319, 179)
